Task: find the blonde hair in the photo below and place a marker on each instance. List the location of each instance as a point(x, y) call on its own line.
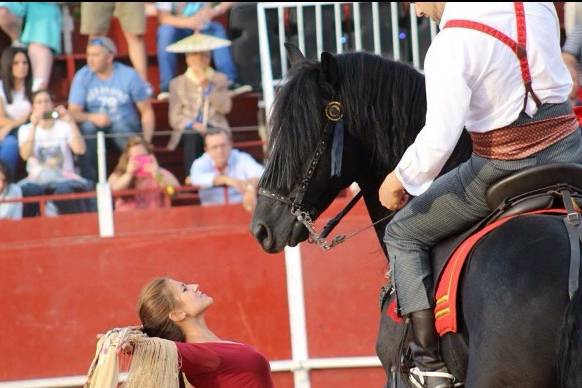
point(121, 167)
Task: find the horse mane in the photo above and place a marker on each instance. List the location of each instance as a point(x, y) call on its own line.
point(384, 108)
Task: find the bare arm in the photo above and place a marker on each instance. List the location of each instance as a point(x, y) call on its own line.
point(6, 121)
point(99, 119)
point(27, 147)
point(77, 143)
point(120, 181)
point(148, 119)
point(221, 8)
point(76, 112)
point(570, 61)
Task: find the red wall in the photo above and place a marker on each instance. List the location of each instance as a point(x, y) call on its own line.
point(61, 285)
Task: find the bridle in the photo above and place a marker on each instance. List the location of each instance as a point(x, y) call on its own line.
point(334, 127)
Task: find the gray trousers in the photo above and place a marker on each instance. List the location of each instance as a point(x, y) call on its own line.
point(453, 203)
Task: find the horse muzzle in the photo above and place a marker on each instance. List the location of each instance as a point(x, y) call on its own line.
point(264, 235)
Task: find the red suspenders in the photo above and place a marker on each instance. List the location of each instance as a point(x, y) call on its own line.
point(519, 47)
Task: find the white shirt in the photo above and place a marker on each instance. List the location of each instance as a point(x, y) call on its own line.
point(473, 80)
point(51, 148)
point(20, 106)
point(240, 166)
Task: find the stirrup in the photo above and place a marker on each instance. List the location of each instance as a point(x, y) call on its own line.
point(417, 378)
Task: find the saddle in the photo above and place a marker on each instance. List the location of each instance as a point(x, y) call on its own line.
point(549, 189)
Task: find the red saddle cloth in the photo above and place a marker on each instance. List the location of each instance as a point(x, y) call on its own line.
point(448, 283)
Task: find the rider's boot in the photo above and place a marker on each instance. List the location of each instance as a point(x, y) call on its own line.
point(430, 371)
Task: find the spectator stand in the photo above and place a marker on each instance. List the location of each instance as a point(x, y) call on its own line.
point(244, 117)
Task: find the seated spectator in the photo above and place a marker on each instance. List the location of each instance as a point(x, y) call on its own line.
point(96, 18)
point(221, 165)
point(138, 169)
point(199, 98)
point(178, 20)
point(41, 33)
point(8, 190)
point(572, 56)
point(103, 97)
point(15, 90)
point(47, 144)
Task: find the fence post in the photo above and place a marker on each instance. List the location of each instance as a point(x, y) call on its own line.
point(104, 201)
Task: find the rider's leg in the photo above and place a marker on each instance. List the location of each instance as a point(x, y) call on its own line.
point(453, 202)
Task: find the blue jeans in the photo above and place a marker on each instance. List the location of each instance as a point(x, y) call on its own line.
point(58, 187)
point(88, 162)
point(9, 152)
point(167, 61)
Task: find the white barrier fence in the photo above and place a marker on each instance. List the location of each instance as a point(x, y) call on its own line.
point(388, 29)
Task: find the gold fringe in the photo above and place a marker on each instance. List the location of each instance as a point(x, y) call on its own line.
point(154, 362)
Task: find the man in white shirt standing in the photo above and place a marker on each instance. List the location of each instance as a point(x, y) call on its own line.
point(237, 172)
point(496, 70)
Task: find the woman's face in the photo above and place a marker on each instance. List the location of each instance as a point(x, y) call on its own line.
point(20, 66)
point(191, 299)
point(198, 61)
point(42, 104)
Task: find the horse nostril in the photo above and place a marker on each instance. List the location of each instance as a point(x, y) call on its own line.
point(263, 235)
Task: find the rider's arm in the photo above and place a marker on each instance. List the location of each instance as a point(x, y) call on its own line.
point(448, 95)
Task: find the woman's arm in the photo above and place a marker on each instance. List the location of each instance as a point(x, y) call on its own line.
point(76, 142)
point(6, 121)
point(27, 147)
point(120, 181)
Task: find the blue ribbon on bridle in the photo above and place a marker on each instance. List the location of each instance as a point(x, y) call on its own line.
point(337, 148)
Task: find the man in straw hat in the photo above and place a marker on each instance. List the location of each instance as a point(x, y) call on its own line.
point(178, 20)
point(199, 98)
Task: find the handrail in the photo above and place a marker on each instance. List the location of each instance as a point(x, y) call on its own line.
point(42, 199)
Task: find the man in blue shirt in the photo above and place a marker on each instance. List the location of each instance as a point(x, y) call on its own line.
point(220, 165)
point(104, 96)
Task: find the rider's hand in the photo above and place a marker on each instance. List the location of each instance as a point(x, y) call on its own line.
point(392, 194)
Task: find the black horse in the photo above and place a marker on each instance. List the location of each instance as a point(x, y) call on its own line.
point(514, 294)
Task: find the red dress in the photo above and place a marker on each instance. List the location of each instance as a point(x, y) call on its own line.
point(224, 365)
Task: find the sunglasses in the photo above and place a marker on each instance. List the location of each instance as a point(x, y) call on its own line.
point(101, 42)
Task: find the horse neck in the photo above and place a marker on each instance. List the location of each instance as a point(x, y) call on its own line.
point(371, 180)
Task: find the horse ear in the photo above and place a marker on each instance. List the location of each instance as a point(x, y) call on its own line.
point(294, 54)
point(329, 68)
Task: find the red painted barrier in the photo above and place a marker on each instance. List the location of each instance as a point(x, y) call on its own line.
point(61, 285)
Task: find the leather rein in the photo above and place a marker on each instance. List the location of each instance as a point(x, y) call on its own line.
point(334, 127)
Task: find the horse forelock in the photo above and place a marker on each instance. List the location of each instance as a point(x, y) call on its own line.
point(384, 108)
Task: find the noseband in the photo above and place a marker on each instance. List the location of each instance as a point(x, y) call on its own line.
point(334, 114)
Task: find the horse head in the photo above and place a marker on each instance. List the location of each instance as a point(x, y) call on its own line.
point(355, 113)
point(305, 140)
